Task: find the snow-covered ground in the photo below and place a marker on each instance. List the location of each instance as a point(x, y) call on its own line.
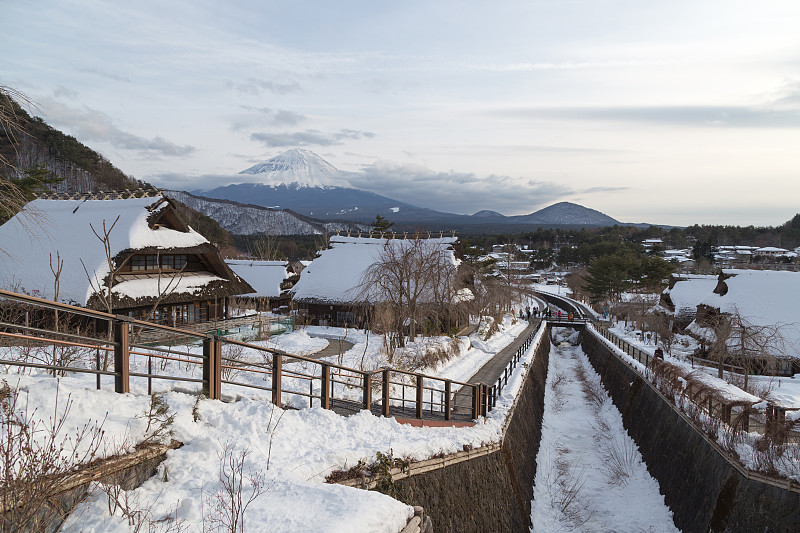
point(590, 474)
point(290, 452)
point(783, 390)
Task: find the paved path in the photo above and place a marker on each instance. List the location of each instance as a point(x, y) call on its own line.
point(491, 371)
point(334, 347)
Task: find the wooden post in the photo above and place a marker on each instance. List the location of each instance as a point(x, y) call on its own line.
point(420, 391)
point(277, 370)
point(367, 397)
point(726, 413)
point(484, 399)
point(476, 401)
point(385, 392)
point(326, 386)
point(122, 355)
point(447, 385)
point(212, 367)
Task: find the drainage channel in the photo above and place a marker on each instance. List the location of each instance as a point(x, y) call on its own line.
point(590, 474)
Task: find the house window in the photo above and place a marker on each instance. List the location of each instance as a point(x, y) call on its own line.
point(175, 262)
point(345, 317)
point(151, 262)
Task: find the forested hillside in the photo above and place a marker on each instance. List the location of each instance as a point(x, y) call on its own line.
point(35, 157)
point(36, 143)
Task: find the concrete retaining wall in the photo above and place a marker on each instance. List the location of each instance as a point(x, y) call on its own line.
point(491, 490)
point(703, 489)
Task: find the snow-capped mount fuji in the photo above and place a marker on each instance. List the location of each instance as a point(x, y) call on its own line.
point(299, 167)
point(303, 182)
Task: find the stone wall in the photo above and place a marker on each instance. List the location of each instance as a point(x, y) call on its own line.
point(492, 491)
point(703, 489)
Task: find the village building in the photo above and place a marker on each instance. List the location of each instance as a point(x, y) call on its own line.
point(270, 279)
point(332, 290)
point(684, 293)
point(648, 244)
point(134, 255)
point(753, 316)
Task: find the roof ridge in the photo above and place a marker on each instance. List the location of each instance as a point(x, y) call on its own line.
point(124, 194)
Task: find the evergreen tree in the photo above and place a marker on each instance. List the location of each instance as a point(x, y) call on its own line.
point(608, 276)
point(36, 180)
point(380, 224)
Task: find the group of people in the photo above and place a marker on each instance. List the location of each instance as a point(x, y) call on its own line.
point(527, 313)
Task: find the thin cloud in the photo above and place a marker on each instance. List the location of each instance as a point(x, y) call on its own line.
point(719, 116)
point(789, 95)
point(185, 182)
point(260, 116)
point(65, 92)
point(593, 190)
point(104, 74)
point(456, 192)
point(308, 138)
point(92, 125)
point(255, 86)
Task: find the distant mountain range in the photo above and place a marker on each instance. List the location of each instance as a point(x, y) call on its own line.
point(301, 181)
point(244, 219)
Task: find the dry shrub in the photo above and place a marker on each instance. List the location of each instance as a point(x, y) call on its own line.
point(565, 487)
point(619, 456)
point(232, 360)
point(35, 455)
point(240, 487)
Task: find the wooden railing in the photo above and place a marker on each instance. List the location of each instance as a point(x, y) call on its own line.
point(490, 393)
point(112, 346)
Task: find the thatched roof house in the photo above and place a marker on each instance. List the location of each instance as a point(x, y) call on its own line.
point(270, 279)
point(682, 296)
point(160, 268)
point(759, 310)
point(333, 285)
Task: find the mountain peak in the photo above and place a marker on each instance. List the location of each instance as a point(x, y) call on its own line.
point(568, 213)
point(301, 167)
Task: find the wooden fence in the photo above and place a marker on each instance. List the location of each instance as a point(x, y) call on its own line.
point(115, 341)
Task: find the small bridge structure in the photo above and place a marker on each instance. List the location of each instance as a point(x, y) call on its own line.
point(120, 348)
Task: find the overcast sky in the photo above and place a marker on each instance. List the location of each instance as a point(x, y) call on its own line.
point(669, 112)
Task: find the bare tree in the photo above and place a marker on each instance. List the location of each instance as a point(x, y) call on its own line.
point(34, 456)
point(266, 247)
point(411, 281)
point(104, 293)
point(240, 487)
point(738, 340)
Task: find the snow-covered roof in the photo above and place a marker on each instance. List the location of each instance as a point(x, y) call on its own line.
point(265, 276)
point(771, 250)
point(763, 298)
point(688, 291)
point(64, 227)
point(336, 275)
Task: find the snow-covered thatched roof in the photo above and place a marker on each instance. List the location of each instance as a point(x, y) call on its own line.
point(47, 229)
point(762, 298)
point(337, 274)
point(686, 291)
point(265, 276)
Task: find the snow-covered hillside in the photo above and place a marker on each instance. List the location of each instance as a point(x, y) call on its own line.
point(242, 219)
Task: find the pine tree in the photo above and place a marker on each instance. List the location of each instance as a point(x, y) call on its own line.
point(36, 180)
point(380, 224)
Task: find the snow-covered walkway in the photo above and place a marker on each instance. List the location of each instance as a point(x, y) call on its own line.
point(590, 475)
